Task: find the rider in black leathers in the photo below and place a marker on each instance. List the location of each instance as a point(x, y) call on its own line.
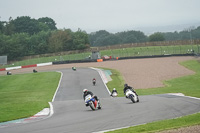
point(126, 87)
point(86, 92)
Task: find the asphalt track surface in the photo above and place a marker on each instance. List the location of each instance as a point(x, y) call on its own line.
point(72, 116)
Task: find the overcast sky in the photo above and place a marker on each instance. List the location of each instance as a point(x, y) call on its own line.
point(111, 15)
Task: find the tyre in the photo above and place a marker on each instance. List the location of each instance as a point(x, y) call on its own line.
point(137, 99)
point(132, 99)
point(92, 106)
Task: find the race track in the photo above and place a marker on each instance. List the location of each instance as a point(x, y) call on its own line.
point(71, 115)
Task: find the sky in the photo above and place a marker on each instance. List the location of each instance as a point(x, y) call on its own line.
point(110, 15)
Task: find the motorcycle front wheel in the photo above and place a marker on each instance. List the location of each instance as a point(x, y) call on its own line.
point(132, 99)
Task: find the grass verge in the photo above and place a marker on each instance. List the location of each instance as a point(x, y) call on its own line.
point(24, 95)
point(188, 85)
point(117, 81)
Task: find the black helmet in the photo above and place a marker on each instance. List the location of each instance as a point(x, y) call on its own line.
point(125, 85)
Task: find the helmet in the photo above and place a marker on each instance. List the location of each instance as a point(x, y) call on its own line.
point(114, 89)
point(85, 90)
point(125, 85)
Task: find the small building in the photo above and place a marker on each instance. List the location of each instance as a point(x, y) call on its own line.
point(96, 55)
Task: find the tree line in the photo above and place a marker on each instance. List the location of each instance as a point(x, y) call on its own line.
point(104, 38)
point(26, 36)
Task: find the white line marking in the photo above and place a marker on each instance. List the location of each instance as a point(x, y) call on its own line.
point(51, 109)
point(182, 95)
point(58, 86)
point(117, 128)
point(100, 73)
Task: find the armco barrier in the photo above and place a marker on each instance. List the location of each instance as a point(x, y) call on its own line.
point(45, 64)
point(2, 69)
point(12, 68)
point(26, 66)
point(153, 56)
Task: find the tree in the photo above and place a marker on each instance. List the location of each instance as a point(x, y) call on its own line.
point(156, 37)
point(2, 26)
point(49, 22)
point(38, 43)
point(96, 37)
point(131, 36)
point(80, 40)
point(9, 27)
point(26, 24)
point(58, 41)
point(14, 45)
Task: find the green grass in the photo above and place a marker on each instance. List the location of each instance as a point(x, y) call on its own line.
point(188, 85)
point(117, 81)
point(48, 59)
point(24, 95)
point(163, 125)
point(151, 50)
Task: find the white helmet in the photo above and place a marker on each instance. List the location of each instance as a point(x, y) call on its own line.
point(85, 90)
point(114, 89)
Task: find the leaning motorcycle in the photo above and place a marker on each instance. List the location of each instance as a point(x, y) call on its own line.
point(94, 82)
point(131, 95)
point(92, 102)
point(114, 94)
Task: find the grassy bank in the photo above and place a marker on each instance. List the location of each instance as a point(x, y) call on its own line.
point(117, 81)
point(24, 95)
point(188, 85)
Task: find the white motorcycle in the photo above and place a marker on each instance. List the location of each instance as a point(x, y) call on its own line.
point(114, 94)
point(131, 95)
point(92, 102)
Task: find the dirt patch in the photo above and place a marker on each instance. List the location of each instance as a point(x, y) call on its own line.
point(139, 73)
point(191, 129)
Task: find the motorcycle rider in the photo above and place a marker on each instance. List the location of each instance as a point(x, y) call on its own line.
point(86, 92)
point(94, 81)
point(126, 87)
point(74, 68)
point(114, 90)
point(34, 71)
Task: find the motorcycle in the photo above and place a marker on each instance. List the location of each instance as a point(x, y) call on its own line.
point(114, 94)
point(92, 102)
point(94, 82)
point(74, 68)
point(131, 95)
